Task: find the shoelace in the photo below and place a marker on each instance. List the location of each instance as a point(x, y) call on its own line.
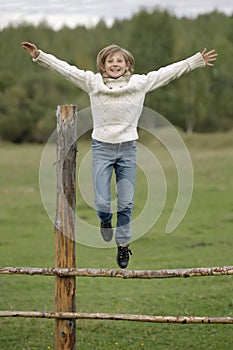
point(109, 225)
point(124, 252)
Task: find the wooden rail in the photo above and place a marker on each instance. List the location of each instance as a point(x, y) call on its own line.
point(142, 274)
point(119, 317)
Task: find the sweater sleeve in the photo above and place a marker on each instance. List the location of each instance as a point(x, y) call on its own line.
point(85, 80)
point(163, 76)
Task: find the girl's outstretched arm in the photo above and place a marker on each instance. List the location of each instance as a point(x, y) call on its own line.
point(209, 56)
point(31, 49)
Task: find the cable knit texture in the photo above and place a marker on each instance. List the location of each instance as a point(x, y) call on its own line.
point(117, 104)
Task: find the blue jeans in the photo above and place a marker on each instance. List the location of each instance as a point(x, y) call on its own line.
point(120, 158)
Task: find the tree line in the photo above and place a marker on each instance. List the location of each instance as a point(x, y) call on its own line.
point(201, 101)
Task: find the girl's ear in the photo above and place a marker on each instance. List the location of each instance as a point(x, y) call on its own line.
point(127, 66)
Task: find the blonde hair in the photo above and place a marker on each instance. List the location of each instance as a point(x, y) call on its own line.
point(110, 50)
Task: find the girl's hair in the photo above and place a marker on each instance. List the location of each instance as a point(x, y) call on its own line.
point(110, 50)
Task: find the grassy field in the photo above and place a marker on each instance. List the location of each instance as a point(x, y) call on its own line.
point(204, 238)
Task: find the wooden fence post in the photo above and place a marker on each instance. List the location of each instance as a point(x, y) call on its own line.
point(64, 228)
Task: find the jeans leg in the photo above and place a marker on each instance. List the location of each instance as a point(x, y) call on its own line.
point(102, 168)
point(125, 169)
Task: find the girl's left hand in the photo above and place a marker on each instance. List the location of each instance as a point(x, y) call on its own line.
point(209, 56)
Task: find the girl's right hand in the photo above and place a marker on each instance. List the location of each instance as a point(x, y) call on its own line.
point(31, 49)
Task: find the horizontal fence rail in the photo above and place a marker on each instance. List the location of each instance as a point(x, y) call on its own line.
point(119, 317)
point(146, 274)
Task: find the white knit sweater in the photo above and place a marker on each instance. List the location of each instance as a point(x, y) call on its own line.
point(117, 104)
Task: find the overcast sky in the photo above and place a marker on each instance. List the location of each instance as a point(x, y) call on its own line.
point(88, 12)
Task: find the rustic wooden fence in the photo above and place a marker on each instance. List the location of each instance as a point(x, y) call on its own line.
point(65, 270)
point(66, 315)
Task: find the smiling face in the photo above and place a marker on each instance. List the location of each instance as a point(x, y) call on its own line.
point(115, 65)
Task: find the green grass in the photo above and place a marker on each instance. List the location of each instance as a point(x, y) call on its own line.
point(204, 238)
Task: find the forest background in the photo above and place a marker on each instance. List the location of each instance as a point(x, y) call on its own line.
point(201, 102)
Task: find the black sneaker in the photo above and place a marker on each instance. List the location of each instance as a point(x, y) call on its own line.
point(123, 256)
point(106, 231)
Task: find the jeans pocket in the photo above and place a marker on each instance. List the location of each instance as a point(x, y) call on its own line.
point(96, 143)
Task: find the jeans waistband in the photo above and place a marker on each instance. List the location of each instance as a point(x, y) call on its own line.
point(132, 142)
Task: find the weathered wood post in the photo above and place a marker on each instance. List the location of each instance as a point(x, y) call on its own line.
point(65, 287)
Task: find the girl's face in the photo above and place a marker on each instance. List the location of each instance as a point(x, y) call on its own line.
point(115, 65)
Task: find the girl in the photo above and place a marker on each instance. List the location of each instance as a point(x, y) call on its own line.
point(116, 96)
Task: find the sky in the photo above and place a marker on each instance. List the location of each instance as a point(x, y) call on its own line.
point(71, 13)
